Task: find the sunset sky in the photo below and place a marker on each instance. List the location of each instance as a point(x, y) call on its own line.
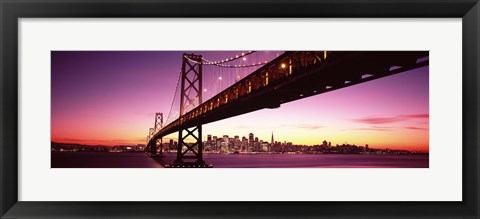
point(110, 98)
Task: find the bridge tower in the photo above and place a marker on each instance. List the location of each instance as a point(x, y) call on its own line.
point(150, 147)
point(158, 126)
point(190, 97)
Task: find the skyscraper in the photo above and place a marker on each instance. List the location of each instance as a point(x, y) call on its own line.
point(244, 143)
point(236, 142)
point(271, 144)
point(225, 139)
point(324, 144)
point(214, 142)
point(209, 138)
point(250, 141)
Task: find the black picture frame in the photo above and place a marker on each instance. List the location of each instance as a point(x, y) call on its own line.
point(12, 10)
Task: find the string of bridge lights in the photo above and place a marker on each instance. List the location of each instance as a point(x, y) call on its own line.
point(220, 63)
point(243, 66)
point(241, 56)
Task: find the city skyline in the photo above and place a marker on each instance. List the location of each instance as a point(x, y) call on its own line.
point(114, 92)
point(222, 137)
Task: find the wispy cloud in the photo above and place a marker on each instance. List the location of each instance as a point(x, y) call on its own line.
point(140, 138)
point(94, 141)
point(392, 119)
point(375, 128)
point(378, 120)
point(309, 126)
point(416, 116)
point(70, 139)
point(415, 128)
point(298, 126)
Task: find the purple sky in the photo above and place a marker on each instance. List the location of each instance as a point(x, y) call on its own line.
point(110, 98)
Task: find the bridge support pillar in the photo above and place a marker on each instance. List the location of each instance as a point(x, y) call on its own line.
point(160, 146)
point(152, 147)
point(159, 142)
point(192, 151)
point(190, 154)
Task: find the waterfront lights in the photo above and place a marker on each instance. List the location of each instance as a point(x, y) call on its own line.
point(244, 58)
point(283, 65)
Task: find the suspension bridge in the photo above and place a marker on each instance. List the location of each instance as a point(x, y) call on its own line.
point(208, 91)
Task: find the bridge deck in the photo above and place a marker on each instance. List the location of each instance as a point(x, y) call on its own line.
point(293, 76)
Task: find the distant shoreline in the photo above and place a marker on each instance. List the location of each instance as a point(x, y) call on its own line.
point(250, 153)
point(339, 149)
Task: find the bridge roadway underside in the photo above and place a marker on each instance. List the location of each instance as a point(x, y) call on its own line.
point(342, 70)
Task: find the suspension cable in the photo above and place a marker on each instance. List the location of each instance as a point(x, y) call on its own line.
point(174, 96)
point(207, 62)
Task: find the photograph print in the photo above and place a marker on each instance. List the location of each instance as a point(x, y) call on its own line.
point(239, 109)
